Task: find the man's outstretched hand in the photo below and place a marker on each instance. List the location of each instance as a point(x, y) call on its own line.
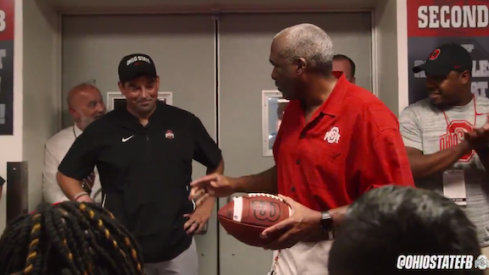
point(215, 185)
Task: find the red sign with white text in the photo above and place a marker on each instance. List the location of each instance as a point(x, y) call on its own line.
point(448, 18)
point(7, 10)
point(432, 23)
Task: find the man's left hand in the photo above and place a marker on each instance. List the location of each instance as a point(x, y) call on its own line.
point(303, 223)
point(479, 137)
point(197, 220)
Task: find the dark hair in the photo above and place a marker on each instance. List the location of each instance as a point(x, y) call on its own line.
point(68, 238)
point(344, 57)
point(391, 221)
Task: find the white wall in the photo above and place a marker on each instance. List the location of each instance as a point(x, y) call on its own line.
point(40, 87)
point(390, 21)
point(35, 95)
point(385, 33)
point(402, 55)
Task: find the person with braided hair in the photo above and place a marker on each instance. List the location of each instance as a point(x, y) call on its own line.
point(69, 238)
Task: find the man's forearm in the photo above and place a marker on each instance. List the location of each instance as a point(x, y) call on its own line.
point(264, 182)
point(427, 165)
point(208, 202)
point(219, 169)
point(71, 187)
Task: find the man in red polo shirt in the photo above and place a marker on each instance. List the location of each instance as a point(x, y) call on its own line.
point(336, 142)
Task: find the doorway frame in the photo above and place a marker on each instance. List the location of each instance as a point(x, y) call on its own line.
point(215, 13)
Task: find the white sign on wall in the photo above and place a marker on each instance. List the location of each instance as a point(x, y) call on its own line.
point(273, 107)
point(115, 99)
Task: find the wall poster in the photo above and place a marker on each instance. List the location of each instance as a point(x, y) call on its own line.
point(432, 23)
point(273, 107)
point(7, 9)
point(116, 100)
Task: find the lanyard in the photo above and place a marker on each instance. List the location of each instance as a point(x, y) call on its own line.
point(74, 133)
point(475, 115)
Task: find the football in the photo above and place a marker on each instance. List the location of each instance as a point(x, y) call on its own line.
point(247, 216)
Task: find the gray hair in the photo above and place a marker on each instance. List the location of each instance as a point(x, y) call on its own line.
point(307, 41)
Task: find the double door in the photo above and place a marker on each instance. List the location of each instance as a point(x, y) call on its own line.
point(215, 70)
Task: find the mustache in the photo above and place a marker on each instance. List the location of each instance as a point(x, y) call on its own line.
point(143, 101)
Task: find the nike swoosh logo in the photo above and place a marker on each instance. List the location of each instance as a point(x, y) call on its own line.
point(127, 138)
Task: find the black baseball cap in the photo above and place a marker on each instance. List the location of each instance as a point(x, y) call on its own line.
point(134, 65)
point(446, 58)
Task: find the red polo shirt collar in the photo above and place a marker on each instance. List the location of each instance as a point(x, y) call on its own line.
point(335, 101)
point(332, 106)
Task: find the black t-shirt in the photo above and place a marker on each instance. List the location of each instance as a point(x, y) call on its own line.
point(145, 172)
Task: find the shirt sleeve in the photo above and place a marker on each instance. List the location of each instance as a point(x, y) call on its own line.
point(80, 160)
point(50, 189)
point(410, 129)
point(387, 163)
point(206, 150)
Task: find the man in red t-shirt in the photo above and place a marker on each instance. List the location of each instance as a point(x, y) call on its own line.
point(336, 142)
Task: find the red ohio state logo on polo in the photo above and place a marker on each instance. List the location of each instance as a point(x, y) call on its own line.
point(454, 135)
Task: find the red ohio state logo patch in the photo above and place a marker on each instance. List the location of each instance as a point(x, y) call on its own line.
point(434, 55)
point(454, 135)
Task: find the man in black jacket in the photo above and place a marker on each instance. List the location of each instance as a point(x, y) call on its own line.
point(144, 156)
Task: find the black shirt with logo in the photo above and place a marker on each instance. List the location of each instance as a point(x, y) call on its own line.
point(145, 172)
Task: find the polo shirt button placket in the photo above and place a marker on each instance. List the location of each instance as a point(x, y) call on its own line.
point(292, 189)
point(298, 162)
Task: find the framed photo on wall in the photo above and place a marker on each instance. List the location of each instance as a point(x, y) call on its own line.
point(273, 107)
point(116, 100)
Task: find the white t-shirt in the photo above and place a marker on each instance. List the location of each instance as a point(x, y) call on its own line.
point(430, 130)
point(56, 148)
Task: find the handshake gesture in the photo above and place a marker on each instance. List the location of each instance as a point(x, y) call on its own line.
point(214, 185)
point(478, 138)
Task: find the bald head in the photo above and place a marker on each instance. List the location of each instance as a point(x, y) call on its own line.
point(306, 41)
point(79, 91)
point(85, 104)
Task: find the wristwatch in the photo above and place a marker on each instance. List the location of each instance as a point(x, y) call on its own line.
point(326, 224)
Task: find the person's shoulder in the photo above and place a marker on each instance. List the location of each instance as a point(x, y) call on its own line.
point(60, 136)
point(177, 113)
point(423, 105)
point(361, 100)
point(176, 110)
point(375, 114)
point(482, 102)
point(357, 96)
point(101, 125)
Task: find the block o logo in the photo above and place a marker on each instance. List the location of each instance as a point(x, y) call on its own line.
point(434, 55)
